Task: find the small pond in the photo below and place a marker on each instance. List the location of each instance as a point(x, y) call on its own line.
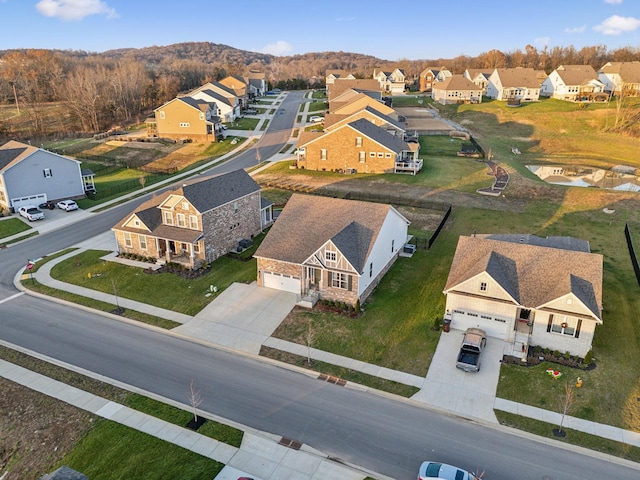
point(620, 178)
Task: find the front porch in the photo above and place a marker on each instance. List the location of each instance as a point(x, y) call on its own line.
point(409, 166)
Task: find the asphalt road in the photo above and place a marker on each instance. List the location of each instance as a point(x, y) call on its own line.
point(378, 432)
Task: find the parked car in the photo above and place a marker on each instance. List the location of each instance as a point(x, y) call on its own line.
point(67, 205)
point(430, 470)
point(31, 213)
point(473, 343)
point(49, 205)
point(316, 119)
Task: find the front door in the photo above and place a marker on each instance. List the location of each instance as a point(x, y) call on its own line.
point(314, 277)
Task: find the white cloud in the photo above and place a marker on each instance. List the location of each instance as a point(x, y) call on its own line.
point(278, 48)
point(74, 9)
point(613, 2)
point(579, 29)
point(617, 25)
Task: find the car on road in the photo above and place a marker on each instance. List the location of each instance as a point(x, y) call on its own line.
point(67, 205)
point(31, 213)
point(430, 470)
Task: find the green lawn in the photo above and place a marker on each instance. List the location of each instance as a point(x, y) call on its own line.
point(111, 451)
point(244, 123)
point(187, 296)
point(317, 106)
point(12, 226)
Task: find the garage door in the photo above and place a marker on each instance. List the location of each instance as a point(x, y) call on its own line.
point(495, 327)
point(281, 282)
point(30, 200)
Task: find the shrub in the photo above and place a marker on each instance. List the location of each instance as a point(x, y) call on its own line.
point(567, 355)
point(588, 358)
point(556, 353)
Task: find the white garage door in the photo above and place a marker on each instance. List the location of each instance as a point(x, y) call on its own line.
point(495, 327)
point(34, 200)
point(281, 282)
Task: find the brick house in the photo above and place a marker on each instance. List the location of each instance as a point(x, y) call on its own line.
point(431, 75)
point(331, 248)
point(197, 222)
point(358, 146)
point(527, 290)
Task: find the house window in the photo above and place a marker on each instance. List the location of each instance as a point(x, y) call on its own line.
point(47, 173)
point(136, 223)
point(393, 246)
point(358, 141)
point(363, 157)
point(143, 242)
point(339, 280)
point(196, 247)
point(372, 154)
point(127, 240)
point(330, 256)
point(564, 325)
point(168, 218)
point(371, 269)
point(185, 124)
point(185, 205)
point(201, 115)
point(380, 154)
point(181, 220)
point(235, 207)
point(193, 222)
point(483, 286)
point(162, 116)
point(387, 155)
point(323, 154)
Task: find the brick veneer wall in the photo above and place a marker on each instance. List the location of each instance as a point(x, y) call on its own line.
point(276, 266)
point(342, 153)
point(224, 226)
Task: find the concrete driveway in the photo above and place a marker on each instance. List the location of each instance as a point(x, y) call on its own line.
point(451, 389)
point(242, 317)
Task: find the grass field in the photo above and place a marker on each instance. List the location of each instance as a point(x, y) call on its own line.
point(12, 226)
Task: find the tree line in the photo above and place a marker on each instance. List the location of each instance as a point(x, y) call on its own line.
point(99, 91)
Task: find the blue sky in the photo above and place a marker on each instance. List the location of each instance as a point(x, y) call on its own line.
point(390, 30)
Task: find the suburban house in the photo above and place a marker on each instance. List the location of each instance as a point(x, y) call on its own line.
point(479, 77)
point(574, 83)
point(431, 75)
point(391, 82)
point(187, 118)
point(228, 104)
point(360, 102)
point(621, 78)
point(31, 176)
point(456, 89)
point(352, 94)
point(358, 146)
point(360, 84)
point(197, 222)
point(394, 127)
point(332, 75)
point(527, 290)
point(239, 87)
point(515, 85)
point(331, 248)
point(257, 84)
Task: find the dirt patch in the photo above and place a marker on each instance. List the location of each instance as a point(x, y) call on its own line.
point(36, 431)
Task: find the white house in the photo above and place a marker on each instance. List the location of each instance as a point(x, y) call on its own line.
point(227, 102)
point(514, 84)
point(574, 83)
point(479, 77)
point(456, 89)
point(31, 176)
point(331, 248)
point(527, 290)
point(391, 82)
point(621, 77)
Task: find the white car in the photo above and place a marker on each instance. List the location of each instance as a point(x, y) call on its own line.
point(31, 213)
point(316, 119)
point(429, 470)
point(67, 205)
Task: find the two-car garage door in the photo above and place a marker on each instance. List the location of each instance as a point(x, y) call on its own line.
point(34, 200)
point(277, 281)
point(494, 326)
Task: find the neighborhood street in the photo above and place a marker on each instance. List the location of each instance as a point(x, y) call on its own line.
point(381, 433)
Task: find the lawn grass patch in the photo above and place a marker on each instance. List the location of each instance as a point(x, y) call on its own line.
point(244, 123)
point(19, 239)
point(317, 107)
point(111, 451)
point(12, 226)
point(573, 437)
point(179, 294)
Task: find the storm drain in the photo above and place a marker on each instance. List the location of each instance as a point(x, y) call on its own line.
point(287, 442)
point(330, 379)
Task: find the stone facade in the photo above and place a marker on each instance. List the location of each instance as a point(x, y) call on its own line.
point(230, 223)
point(344, 151)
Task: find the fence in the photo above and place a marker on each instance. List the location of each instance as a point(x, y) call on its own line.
point(632, 252)
point(437, 232)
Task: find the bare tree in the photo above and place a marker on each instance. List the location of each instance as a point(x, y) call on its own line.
point(309, 337)
point(566, 401)
point(195, 399)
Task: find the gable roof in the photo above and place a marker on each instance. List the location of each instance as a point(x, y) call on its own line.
point(475, 72)
point(332, 119)
point(358, 103)
point(216, 97)
point(532, 275)
point(576, 74)
point(379, 135)
point(308, 222)
point(629, 71)
point(456, 82)
point(13, 152)
point(518, 77)
point(196, 103)
point(564, 243)
point(342, 84)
